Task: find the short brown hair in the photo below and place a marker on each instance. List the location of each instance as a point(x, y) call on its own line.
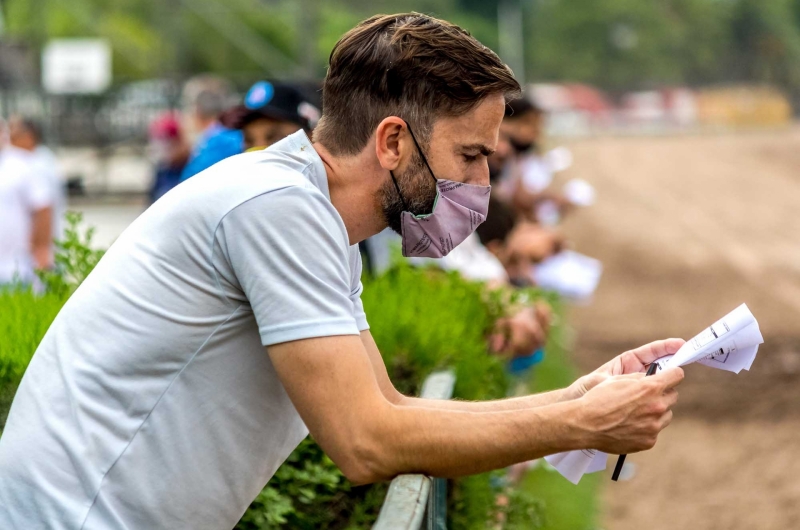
point(409, 65)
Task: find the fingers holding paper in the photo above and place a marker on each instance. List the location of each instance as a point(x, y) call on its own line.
point(630, 362)
point(626, 413)
point(729, 344)
point(636, 360)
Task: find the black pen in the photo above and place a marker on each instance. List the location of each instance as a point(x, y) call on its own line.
point(621, 460)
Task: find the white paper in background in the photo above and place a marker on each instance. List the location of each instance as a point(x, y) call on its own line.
point(536, 173)
point(579, 192)
point(569, 273)
point(548, 213)
point(729, 344)
point(558, 159)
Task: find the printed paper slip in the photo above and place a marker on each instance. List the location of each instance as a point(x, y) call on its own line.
point(729, 344)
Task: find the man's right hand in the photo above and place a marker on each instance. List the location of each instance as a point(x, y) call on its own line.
point(626, 413)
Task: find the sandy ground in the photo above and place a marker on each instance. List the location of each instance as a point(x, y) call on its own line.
point(687, 228)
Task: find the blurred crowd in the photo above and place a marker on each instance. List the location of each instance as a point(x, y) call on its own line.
point(519, 245)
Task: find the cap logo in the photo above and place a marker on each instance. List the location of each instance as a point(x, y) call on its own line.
point(259, 95)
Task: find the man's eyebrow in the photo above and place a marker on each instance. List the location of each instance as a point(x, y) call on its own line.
point(484, 150)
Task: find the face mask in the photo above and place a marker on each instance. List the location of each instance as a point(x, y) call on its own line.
point(457, 211)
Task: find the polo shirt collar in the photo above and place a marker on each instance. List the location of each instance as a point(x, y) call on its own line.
point(300, 146)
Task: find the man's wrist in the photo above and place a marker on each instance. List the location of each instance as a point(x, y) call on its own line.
point(580, 434)
point(566, 394)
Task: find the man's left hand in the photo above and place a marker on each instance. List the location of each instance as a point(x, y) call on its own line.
point(630, 362)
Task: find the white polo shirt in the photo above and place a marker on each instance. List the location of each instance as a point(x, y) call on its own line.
point(22, 193)
point(151, 402)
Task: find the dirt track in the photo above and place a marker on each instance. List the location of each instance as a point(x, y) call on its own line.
point(687, 228)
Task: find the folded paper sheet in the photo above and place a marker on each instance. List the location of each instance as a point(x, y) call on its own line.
point(729, 344)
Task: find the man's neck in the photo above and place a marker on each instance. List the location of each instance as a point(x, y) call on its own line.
point(353, 183)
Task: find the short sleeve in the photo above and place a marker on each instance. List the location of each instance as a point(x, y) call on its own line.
point(289, 252)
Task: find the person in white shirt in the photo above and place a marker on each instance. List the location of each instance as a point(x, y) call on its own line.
point(26, 134)
point(26, 212)
point(152, 403)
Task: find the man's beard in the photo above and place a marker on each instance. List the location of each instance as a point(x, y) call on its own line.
point(418, 189)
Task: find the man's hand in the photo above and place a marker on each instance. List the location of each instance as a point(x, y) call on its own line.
point(626, 413)
point(519, 334)
point(630, 362)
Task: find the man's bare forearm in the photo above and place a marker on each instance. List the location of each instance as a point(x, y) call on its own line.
point(499, 405)
point(450, 443)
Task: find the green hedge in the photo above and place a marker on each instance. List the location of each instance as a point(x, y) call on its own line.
point(421, 319)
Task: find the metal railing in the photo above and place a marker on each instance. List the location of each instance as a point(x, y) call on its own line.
point(414, 502)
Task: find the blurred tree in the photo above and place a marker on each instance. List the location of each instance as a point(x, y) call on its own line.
point(766, 42)
point(620, 44)
point(614, 44)
point(152, 38)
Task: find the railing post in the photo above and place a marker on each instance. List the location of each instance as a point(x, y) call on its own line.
point(437, 505)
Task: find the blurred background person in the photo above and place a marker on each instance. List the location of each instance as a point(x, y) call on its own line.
point(270, 112)
point(26, 214)
point(26, 134)
point(205, 98)
point(516, 244)
point(168, 152)
point(526, 174)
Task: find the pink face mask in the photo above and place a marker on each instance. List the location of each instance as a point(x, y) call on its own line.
point(457, 211)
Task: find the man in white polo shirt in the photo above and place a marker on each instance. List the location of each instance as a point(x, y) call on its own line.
point(152, 403)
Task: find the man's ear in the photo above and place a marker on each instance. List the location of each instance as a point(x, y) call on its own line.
point(391, 139)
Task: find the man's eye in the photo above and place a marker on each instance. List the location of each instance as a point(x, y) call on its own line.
point(470, 158)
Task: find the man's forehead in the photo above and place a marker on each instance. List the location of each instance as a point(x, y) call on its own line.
point(481, 136)
point(477, 128)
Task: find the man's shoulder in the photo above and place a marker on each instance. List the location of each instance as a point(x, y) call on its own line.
point(278, 185)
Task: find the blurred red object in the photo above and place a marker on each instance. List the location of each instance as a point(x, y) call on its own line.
point(165, 127)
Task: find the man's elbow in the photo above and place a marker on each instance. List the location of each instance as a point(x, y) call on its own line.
point(366, 461)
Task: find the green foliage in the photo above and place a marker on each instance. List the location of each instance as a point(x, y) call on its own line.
point(614, 44)
point(307, 492)
point(424, 319)
point(74, 260)
point(24, 319)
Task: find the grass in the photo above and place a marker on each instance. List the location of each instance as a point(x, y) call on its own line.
point(24, 319)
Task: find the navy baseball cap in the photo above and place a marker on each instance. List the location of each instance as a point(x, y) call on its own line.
point(275, 101)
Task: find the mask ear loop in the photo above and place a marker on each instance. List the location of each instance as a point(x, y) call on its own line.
point(405, 206)
point(424, 159)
